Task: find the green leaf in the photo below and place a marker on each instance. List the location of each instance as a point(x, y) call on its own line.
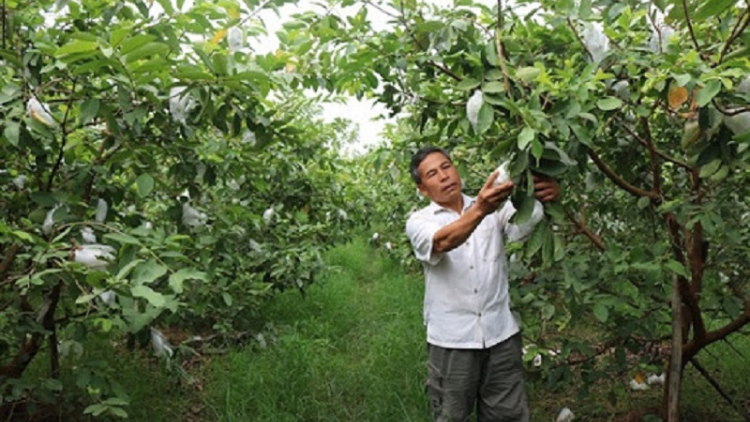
point(468, 84)
point(116, 37)
point(527, 74)
point(135, 42)
point(601, 312)
point(524, 205)
point(150, 49)
point(485, 118)
point(720, 175)
point(177, 279)
point(122, 238)
point(429, 26)
point(525, 137)
point(23, 235)
point(537, 149)
point(677, 268)
point(609, 103)
point(708, 92)
point(710, 168)
point(154, 298)
point(683, 79)
point(644, 202)
point(493, 75)
point(76, 46)
point(89, 110)
point(145, 184)
point(493, 87)
point(11, 133)
point(711, 8)
point(147, 272)
point(124, 271)
point(167, 5)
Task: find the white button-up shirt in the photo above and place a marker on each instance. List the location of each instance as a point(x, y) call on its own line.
point(466, 302)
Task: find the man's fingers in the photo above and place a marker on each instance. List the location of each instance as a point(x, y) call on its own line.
point(545, 195)
point(490, 180)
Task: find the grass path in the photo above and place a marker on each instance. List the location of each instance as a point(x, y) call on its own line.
point(352, 349)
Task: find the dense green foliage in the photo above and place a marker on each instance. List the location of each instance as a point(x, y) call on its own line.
point(210, 181)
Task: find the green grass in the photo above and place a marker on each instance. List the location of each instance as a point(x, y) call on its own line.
point(351, 350)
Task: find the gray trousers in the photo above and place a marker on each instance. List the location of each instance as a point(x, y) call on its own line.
point(493, 379)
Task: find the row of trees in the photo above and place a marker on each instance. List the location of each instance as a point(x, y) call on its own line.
point(210, 182)
point(642, 109)
point(156, 173)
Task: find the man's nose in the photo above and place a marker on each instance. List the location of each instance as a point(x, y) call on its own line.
point(442, 174)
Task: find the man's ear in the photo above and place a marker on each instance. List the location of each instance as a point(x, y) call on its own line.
point(421, 189)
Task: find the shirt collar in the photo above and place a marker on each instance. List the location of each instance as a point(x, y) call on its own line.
point(436, 208)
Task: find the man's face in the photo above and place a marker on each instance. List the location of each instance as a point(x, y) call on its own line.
point(440, 179)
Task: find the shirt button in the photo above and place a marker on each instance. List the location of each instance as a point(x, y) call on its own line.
point(480, 314)
point(476, 291)
point(471, 267)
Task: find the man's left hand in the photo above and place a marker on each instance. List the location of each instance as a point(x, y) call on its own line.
point(545, 188)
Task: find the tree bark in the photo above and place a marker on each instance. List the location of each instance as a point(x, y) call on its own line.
point(675, 361)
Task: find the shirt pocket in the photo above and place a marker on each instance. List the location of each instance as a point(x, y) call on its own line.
point(488, 239)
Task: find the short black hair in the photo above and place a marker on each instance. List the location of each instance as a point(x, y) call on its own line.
point(419, 156)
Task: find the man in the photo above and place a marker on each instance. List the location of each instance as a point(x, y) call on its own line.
point(474, 343)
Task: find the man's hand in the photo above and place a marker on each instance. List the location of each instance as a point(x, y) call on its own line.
point(489, 198)
point(545, 188)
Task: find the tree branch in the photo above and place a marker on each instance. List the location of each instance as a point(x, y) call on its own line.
point(595, 239)
point(694, 346)
point(735, 33)
point(718, 388)
point(619, 181)
point(692, 31)
point(8, 260)
point(655, 170)
point(580, 40)
point(661, 154)
point(500, 49)
point(694, 316)
point(676, 358)
point(60, 154)
point(733, 112)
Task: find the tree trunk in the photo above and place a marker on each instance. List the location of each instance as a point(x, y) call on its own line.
point(671, 406)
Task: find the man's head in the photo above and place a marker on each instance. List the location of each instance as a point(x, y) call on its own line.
point(435, 175)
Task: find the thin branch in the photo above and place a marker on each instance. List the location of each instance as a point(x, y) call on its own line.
point(735, 33)
point(580, 40)
point(60, 154)
point(500, 49)
point(694, 346)
point(655, 169)
point(8, 260)
point(445, 70)
point(619, 181)
point(711, 380)
point(661, 154)
point(595, 239)
point(733, 112)
point(255, 12)
point(690, 28)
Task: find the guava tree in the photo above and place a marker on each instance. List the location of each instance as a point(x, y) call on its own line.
point(156, 172)
point(640, 108)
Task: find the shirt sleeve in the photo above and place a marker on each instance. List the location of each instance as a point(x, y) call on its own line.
point(421, 233)
point(517, 232)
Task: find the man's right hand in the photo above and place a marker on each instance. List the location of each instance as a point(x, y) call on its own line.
point(490, 198)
